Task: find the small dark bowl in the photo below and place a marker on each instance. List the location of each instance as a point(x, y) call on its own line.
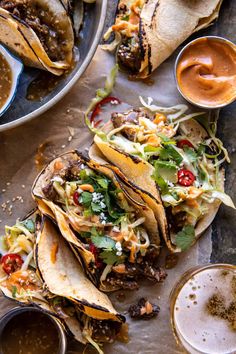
point(18, 310)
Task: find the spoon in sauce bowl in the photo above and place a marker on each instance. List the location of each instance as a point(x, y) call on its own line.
point(10, 71)
point(205, 72)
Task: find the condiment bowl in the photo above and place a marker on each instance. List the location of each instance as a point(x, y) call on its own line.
point(177, 61)
point(17, 311)
point(16, 69)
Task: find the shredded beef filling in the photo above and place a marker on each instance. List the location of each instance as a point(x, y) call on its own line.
point(144, 268)
point(105, 331)
point(130, 117)
point(129, 55)
point(176, 222)
point(42, 23)
point(143, 310)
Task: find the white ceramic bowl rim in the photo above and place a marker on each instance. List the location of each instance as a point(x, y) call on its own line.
point(222, 39)
point(16, 68)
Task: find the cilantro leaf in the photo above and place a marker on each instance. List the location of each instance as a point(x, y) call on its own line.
point(110, 257)
point(96, 208)
point(150, 148)
point(169, 153)
point(14, 291)
point(165, 140)
point(29, 224)
point(86, 198)
point(103, 182)
point(192, 156)
point(201, 149)
point(125, 18)
point(162, 184)
point(166, 170)
point(185, 237)
point(103, 242)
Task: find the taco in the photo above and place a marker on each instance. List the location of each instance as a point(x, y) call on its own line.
point(52, 280)
point(163, 150)
point(39, 31)
point(111, 230)
point(148, 32)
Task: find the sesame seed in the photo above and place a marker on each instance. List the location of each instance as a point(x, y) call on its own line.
point(69, 138)
point(63, 146)
point(8, 183)
point(3, 190)
point(23, 186)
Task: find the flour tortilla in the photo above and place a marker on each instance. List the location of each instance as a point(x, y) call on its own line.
point(165, 24)
point(139, 173)
point(65, 277)
point(24, 42)
point(68, 228)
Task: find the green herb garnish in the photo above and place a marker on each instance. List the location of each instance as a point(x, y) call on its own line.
point(185, 238)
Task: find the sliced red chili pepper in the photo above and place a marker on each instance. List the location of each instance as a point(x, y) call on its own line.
point(185, 177)
point(97, 108)
point(76, 198)
point(182, 143)
point(93, 249)
point(11, 262)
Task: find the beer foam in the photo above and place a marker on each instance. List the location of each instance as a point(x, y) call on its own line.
point(198, 330)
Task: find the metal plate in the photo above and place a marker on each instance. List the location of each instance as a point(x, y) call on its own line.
point(23, 109)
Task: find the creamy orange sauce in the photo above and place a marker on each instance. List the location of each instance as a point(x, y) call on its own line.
point(206, 72)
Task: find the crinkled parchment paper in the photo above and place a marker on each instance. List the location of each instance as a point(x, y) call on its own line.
point(62, 128)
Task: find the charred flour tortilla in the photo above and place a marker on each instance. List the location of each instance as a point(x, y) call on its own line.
point(110, 228)
point(173, 157)
point(53, 281)
point(147, 32)
point(39, 31)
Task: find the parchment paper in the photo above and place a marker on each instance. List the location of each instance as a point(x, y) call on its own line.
point(18, 168)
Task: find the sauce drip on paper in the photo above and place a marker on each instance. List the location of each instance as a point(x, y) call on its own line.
point(206, 72)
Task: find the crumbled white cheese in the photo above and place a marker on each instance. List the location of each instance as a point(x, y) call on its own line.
point(115, 229)
point(57, 179)
point(103, 218)
point(118, 246)
point(103, 205)
point(96, 197)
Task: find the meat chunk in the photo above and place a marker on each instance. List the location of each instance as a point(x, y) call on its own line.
point(143, 310)
point(129, 55)
point(105, 331)
point(130, 117)
point(122, 282)
point(127, 276)
point(49, 192)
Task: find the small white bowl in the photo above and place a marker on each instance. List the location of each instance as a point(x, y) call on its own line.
point(179, 56)
point(16, 68)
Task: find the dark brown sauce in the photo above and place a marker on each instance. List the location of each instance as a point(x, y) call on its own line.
point(30, 332)
point(171, 261)
point(5, 80)
point(40, 87)
point(46, 82)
